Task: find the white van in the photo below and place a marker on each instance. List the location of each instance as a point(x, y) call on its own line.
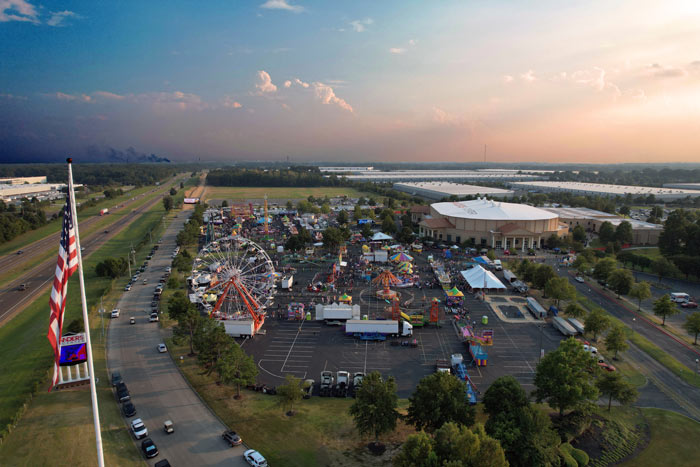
point(680, 297)
point(497, 265)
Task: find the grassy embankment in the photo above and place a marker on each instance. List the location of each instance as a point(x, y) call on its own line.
point(50, 419)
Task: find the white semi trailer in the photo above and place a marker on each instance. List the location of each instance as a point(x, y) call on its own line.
point(378, 326)
point(239, 328)
point(563, 326)
point(337, 312)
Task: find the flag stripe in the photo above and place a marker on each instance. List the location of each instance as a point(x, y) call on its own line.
point(66, 265)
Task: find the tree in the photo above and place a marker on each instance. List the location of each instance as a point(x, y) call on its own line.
point(112, 267)
point(579, 234)
point(563, 379)
point(664, 307)
point(289, 206)
point(491, 254)
point(504, 395)
point(692, 325)
point(342, 217)
point(210, 342)
point(290, 393)
point(640, 291)
point(623, 232)
point(606, 234)
point(612, 384)
point(224, 204)
point(664, 268)
point(374, 410)
point(188, 322)
point(603, 269)
point(173, 192)
point(406, 235)
point(596, 322)
point(624, 210)
point(457, 445)
point(178, 305)
point(542, 274)
point(621, 281)
point(388, 225)
point(559, 288)
point(367, 230)
point(439, 398)
point(332, 238)
point(616, 340)
point(168, 203)
point(416, 451)
point(575, 310)
point(237, 368)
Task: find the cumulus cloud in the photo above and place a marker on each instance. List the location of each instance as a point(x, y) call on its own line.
point(108, 95)
point(658, 71)
point(301, 83)
point(359, 25)
point(18, 10)
point(281, 5)
point(507, 79)
point(287, 84)
point(326, 95)
point(264, 84)
point(231, 103)
point(61, 96)
point(58, 18)
point(444, 118)
point(528, 76)
point(176, 100)
point(397, 50)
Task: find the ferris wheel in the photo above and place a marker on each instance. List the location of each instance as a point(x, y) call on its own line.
point(233, 278)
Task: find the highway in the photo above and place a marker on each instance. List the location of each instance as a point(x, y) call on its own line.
point(40, 276)
point(158, 390)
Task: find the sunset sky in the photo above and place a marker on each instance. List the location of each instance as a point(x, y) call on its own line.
point(572, 81)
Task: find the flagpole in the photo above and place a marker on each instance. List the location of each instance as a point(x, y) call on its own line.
point(91, 367)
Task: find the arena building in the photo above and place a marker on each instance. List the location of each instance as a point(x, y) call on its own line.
point(491, 224)
point(600, 189)
point(439, 190)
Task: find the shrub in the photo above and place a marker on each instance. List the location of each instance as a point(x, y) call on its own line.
point(567, 459)
point(580, 456)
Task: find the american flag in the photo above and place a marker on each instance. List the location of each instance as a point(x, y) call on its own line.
point(66, 265)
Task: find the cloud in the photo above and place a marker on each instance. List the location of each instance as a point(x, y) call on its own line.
point(11, 97)
point(507, 79)
point(17, 10)
point(301, 83)
point(61, 96)
point(264, 84)
point(359, 25)
point(412, 42)
point(281, 5)
point(58, 18)
point(231, 103)
point(107, 95)
point(528, 76)
point(397, 50)
point(326, 95)
point(176, 100)
point(695, 64)
point(116, 155)
point(594, 78)
point(658, 71)
point(287, 84)
point(444, 118)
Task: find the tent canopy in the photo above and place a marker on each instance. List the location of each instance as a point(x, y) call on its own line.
point(479, 278)
point(380, 236)
point(454, 292)
point(401, 257)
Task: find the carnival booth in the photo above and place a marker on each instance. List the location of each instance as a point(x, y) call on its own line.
point(455, 298)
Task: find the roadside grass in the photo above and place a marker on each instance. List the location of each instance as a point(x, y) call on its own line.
point(673, 440)
point(25, 370)
point(652, 253)
point(242, 193)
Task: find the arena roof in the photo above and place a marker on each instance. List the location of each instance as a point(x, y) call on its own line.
point(492, 210)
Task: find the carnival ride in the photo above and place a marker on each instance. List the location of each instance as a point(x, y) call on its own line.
point(386, 279)
point(237, 276)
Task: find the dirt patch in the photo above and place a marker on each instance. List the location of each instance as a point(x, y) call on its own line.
point(591, 440)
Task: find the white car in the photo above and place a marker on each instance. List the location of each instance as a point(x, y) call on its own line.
point(254, 458)
point(590, 348)
point(115, 313)
point(162, 348)
point(153, 319)
point(168, 269)
point(127, 287)
point(138, 428)
point(579, 279)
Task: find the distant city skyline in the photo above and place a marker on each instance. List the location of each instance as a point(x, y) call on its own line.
point(548, 81)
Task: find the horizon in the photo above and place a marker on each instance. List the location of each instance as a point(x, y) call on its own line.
point(364, 82)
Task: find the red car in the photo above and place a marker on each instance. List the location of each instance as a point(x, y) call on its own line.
point(689, 305)
point(606, 366)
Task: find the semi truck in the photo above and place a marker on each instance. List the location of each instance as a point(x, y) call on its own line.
point(563, 326)
point(342, 381)
point(358, 327)
point(286, 282)
point(240, 328)
point(326, 383)
point(337, 312)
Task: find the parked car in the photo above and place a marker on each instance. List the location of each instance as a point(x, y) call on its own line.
point(127, 287)
point(168, 269)
point(689, 305)
point(606, 366)
point(138, 428)
point(116, 378)
point(128, 409)
point(149, 448)
point(579, 279)
point(254, 458)
point(122, 392)
point(231, 437)
point(153, 318)
point(168, 426)
point(132, 320)
point(162, 348)
point(145, 281)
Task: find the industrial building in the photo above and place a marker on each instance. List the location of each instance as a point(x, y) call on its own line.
point(491, 224)
point(346, 169)
point(436, 175)
point(22, 180)
point(439, 190)
point(599, 189)
point(38, 190)
point(643, 233)
point(683, 186)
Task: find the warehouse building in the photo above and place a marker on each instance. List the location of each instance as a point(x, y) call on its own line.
point(22, 180)
point(683, 186)
point(440, 190)
point(599, 189)
point(491, 224)
point(437, 175)
point(39, 190)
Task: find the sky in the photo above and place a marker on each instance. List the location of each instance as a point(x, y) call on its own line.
point(225, 80)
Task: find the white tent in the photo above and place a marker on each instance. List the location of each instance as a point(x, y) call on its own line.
point(379, 236)
point(479, 278)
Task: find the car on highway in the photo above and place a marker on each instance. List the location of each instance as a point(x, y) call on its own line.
point(22, 287)
point(145, 281)
point(116, 378)
point(138, 428)
point(231, 437)
point(115, 313)
point(254, 458)
point(128, 409)
point(689, 305)
point(153, 318)
point(579, 279)
point(149, 448)
point(19, 252)
point(162, 348)
point(127, 287)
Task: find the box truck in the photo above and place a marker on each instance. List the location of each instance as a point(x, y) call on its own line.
point(240, 328)
point(337, 312)
point(358, 327)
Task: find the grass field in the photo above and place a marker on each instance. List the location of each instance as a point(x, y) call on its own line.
point(24, 371)
point(673, 441)
point(242, 193)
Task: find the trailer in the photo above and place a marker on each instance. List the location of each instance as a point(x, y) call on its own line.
point(286, 282)
point(535, 308)
point(442, 366)
point(358, 327)
point(576, 324)
point(240, 328)
point(460, 371)
point(509, 276)
point(337, 312)
point(563, 326)
point(104, 212)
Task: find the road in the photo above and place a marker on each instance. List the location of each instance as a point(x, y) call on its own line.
point(158, 390)
point(40, 276)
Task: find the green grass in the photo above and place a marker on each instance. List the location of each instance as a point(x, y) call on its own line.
point(243, 193)
point(651, 253)
point(26, 362)
point(673, 441)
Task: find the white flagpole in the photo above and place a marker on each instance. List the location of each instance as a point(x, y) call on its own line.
point(91, 367)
